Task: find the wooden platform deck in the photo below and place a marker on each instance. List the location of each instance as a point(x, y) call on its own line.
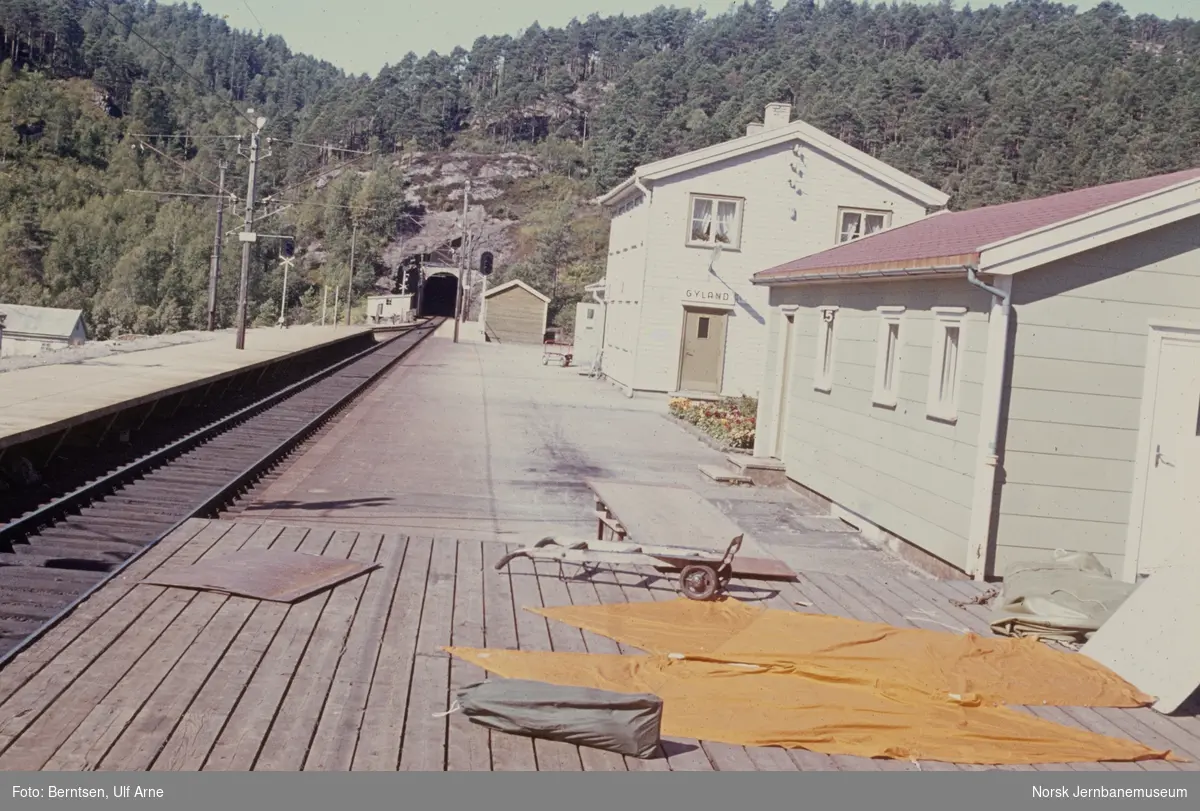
point(150, 678)
point(41, 399)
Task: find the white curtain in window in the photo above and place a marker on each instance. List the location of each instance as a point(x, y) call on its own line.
point(874, 223)
point(726, 209)
point(702, 220)
point(850, 226)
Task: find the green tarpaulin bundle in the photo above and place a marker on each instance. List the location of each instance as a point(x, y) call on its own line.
point(628, 724)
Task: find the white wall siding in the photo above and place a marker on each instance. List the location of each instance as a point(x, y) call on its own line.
point(1075, 400)
point(790, 210)
point(624, 272)
point(898, 468)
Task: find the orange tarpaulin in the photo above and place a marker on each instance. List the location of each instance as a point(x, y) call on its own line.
point(736, 674)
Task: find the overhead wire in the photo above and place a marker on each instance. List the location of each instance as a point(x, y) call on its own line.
point(181, 165)
point(320, 173)
point(128, 25)
point(326, 147)
point(252, 14)
point(178, 194)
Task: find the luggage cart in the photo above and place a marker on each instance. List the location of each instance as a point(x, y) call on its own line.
point(703, 574)
point(553, 349)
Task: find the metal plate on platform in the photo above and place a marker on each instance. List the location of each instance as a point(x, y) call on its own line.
point(276, 576)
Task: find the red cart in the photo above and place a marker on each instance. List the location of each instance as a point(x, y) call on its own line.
point(555, 348)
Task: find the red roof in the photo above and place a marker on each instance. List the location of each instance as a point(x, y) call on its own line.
point(956, 237)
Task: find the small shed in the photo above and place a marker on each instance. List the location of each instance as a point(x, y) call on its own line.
point(392, 308)
point(516, 313)
point(32, 330)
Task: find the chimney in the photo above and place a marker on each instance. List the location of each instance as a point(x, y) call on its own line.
point(754, 128)
point(777, 115)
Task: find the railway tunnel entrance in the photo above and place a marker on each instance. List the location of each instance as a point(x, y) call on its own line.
point(440, 295)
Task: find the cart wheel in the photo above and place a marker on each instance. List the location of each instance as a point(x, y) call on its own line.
point(545, 361)
point(698, 582)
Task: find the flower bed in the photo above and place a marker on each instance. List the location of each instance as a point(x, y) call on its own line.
point(729, 420)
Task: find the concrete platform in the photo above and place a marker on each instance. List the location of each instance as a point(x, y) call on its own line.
point(482, 442)
point(42, 399)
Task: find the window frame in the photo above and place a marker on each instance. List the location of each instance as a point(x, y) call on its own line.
point(736, 243)
point(862, 212)
point(826, 346)
point(944, 320)
point(882, 394)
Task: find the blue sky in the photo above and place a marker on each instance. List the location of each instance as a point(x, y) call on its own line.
point(362, 36)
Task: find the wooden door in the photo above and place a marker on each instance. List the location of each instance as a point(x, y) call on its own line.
point(703, 351)
point(1170, 511)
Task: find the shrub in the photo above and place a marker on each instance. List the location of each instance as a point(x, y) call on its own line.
point(729, 420)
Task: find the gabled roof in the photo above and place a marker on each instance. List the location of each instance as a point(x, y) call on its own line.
point(795, 131)
point(52, 322)
point(515, 283)
point(950, 240)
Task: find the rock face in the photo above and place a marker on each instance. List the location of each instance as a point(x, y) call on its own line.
point(436, 180)
point(445, 173)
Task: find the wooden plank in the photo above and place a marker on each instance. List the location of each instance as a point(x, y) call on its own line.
point(509, 752)
point(382, 731)
point(808, 592)
point(566, 639)
point(681, 754)
point(925, 590)
point(1057, 716)
point(1094, 722)
point(689, 754)
point(55, 717)
point(291, 734)
point(424, 746)
point(85, 617)
point(533, 634)
point(467, 746)
point(336, 735)
point(873, 599)
point(90, 742)
point(660, 514)
point(771, 758)
point(1133, 728)
point(857, 606)
point(919, 611)
point(1162, 727)
point(237, 747)
point(583, 590)
point(192, 739)
point(150, 729)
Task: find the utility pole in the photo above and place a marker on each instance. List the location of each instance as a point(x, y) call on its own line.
point(350, 281)
point(337, 292)
point(215, 272)
point(462, 264)
point(247, 236)
point(287, 264)
point(324, 304)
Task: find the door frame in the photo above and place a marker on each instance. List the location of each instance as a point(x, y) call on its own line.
point(1158, 333)
point(683, 334)
point(785, 358)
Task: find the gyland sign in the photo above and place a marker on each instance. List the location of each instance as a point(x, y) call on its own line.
point(707, 296)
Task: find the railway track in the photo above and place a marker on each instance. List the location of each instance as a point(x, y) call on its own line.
point(54, 557)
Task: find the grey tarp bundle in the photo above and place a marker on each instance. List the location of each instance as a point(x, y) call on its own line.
point(625, 723)
point(1065, 600)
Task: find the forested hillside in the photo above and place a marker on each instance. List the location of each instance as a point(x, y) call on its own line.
point(103, 97)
